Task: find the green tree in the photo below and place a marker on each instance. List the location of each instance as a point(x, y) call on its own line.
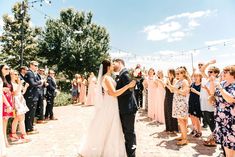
point(15, 27)
point(73, 43)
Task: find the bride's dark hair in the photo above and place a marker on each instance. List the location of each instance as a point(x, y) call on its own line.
point(106, 63)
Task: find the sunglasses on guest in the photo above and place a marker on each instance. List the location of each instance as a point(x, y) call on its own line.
point(210, 72)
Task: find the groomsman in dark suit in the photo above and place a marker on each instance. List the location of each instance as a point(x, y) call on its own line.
point(22, 72)
point(50, 95)
point(31, 96)
point(127, 107)
point(40, 106)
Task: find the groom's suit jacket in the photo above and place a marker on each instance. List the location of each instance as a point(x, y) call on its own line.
point(126, 101)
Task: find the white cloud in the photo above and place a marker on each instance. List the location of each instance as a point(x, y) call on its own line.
point(193, 23)
point(178, 34)
point(169, 27)
point(161, 32)
point(176, 27)
point(191, 15)
point(156, 34)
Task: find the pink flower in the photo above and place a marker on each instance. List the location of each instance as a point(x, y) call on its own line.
point(222, 105)
point(221, 115)
point(137, 72)
point(231, 138)
point(233, 128)
point(225, 121)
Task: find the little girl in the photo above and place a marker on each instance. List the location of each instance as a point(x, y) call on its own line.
point(20, 107)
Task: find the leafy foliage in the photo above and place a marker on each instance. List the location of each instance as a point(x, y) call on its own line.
point(14, 31)
point(73, 43)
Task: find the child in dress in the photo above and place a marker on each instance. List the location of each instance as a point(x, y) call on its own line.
point(20, 107)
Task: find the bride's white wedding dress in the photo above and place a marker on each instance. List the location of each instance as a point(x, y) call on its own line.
point(105, 137)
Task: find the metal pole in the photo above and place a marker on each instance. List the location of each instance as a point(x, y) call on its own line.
point(22, 34)
point(192, 59)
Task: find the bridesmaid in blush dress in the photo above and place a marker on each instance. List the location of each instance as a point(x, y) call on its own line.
point(160, 95)
point(91, 89)
point(82, 96)
point(150, 81)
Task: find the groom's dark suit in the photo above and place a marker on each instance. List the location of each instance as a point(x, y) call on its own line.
point(127, 109)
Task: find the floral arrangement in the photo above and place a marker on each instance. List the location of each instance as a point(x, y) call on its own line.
point(137, 73)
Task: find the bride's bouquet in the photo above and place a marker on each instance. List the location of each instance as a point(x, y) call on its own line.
point(136, 73)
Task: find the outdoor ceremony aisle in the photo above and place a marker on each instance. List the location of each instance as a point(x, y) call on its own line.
point(61, 138)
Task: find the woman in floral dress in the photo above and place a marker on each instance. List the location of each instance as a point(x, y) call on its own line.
point(180, 103)
point(225, 110)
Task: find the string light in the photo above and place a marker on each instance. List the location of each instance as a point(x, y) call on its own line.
point(183, 53)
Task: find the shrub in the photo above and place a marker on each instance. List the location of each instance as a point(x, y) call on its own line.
point(62, 99)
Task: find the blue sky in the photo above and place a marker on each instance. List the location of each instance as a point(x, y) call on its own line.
point(156, 33)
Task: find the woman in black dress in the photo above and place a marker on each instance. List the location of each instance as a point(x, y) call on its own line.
point(194, 105)
point(171, 123)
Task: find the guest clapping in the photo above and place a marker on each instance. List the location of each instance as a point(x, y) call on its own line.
point(20, 107)
point(224, 110)
point(50, 95)
point(180, 103)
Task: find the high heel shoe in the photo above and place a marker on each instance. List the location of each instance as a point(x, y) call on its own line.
point(179, 138)
point(182, 142)
point(13, 137)
point(198, 134)
point(24, 138)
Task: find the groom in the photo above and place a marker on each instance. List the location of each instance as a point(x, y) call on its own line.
point(127, 107)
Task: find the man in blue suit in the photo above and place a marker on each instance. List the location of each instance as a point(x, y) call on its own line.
point(31, 96)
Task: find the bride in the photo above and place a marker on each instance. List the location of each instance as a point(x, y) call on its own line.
point(105, 136)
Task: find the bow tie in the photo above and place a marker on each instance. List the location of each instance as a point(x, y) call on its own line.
point(117, 77)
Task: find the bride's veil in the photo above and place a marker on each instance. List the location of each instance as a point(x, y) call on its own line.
point(99, 93)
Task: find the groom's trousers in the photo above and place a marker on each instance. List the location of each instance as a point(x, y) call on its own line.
point(128, 124)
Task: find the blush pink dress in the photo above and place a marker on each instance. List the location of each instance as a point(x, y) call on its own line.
point(152, 100)
point(82, 96)
point(91, 91)
point(160, 97)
